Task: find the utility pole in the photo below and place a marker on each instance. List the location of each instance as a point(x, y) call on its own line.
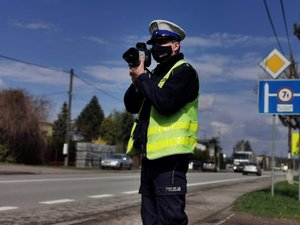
point(292, 75)
point(297, 30)
point(68, 131)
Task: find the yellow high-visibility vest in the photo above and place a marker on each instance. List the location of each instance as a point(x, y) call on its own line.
point(171, 134)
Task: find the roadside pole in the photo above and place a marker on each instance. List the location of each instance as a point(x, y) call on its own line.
point(273, 153)
point(68, 130)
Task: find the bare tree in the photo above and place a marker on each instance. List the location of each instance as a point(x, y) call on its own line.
point(19, 126)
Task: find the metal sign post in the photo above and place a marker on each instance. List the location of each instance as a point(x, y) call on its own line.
point(273, 152)
point(274, 100)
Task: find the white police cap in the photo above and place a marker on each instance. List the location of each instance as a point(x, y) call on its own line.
point(163, 29)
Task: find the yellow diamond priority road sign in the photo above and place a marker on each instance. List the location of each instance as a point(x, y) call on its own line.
point(275, 63)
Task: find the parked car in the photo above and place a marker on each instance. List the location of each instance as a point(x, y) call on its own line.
point(195, 164)
point(209, 166)
point(252, 168)
point(116, 161)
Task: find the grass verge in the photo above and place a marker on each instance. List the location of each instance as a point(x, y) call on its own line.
point(284, 203)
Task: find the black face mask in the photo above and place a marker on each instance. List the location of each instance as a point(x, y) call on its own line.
point(161, 53)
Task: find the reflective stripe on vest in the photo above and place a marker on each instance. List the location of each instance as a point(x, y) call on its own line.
point(130, 149)
point(175, 134)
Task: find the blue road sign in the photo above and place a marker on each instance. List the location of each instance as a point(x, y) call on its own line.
point(279, 97)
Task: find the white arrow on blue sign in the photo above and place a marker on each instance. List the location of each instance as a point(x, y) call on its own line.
point(279, 97)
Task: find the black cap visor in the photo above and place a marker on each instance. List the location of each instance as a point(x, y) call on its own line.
point(160, 38)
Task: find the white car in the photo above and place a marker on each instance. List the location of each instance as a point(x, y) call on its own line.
point(252, 168)
point(116, 161)
point(209, 166)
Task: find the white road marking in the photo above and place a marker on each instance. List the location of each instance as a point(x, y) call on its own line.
point(223, 181)
point(101, 196)
point(57, 201)
point(5, 208)
point(130, 192)
point(65, 179)
point(227, 218)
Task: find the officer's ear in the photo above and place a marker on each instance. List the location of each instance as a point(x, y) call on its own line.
point(176, 46)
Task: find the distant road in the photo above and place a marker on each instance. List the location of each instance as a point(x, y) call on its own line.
point(58, 197)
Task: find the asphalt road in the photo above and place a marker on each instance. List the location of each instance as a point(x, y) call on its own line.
point(110, 197)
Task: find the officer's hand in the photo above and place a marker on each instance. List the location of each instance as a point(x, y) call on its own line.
point(135, 72)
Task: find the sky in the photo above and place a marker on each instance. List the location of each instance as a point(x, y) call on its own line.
point(42, 40)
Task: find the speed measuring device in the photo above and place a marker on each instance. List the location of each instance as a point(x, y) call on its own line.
point(279, 96)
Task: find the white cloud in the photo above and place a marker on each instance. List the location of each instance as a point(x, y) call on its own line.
point(233, 117)
point(133, 39)
point(206, 102)
point(226, 40)
point(2, 84)
point(34, 25)
point(30, 74)
point(221, 128)
point(118, 75)
point(95, 39)
point(212, 67)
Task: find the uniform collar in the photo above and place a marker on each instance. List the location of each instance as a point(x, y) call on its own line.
point(162, 68)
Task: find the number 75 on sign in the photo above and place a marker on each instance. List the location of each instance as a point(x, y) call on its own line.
point(279, 97)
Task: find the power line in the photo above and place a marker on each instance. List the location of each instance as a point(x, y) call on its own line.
point(285, 24)
point(99, 89)
point(33, 64)
point(54, 93)
point(59, 70)
point(293, 70)
point(272, 25)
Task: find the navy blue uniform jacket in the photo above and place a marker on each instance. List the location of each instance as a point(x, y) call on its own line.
point(181, 87)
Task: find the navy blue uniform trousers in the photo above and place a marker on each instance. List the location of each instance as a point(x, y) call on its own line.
point(163, 189)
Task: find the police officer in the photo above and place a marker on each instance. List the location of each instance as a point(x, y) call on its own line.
point(165, 131)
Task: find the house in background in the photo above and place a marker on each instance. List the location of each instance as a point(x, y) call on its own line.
point(46, 128)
